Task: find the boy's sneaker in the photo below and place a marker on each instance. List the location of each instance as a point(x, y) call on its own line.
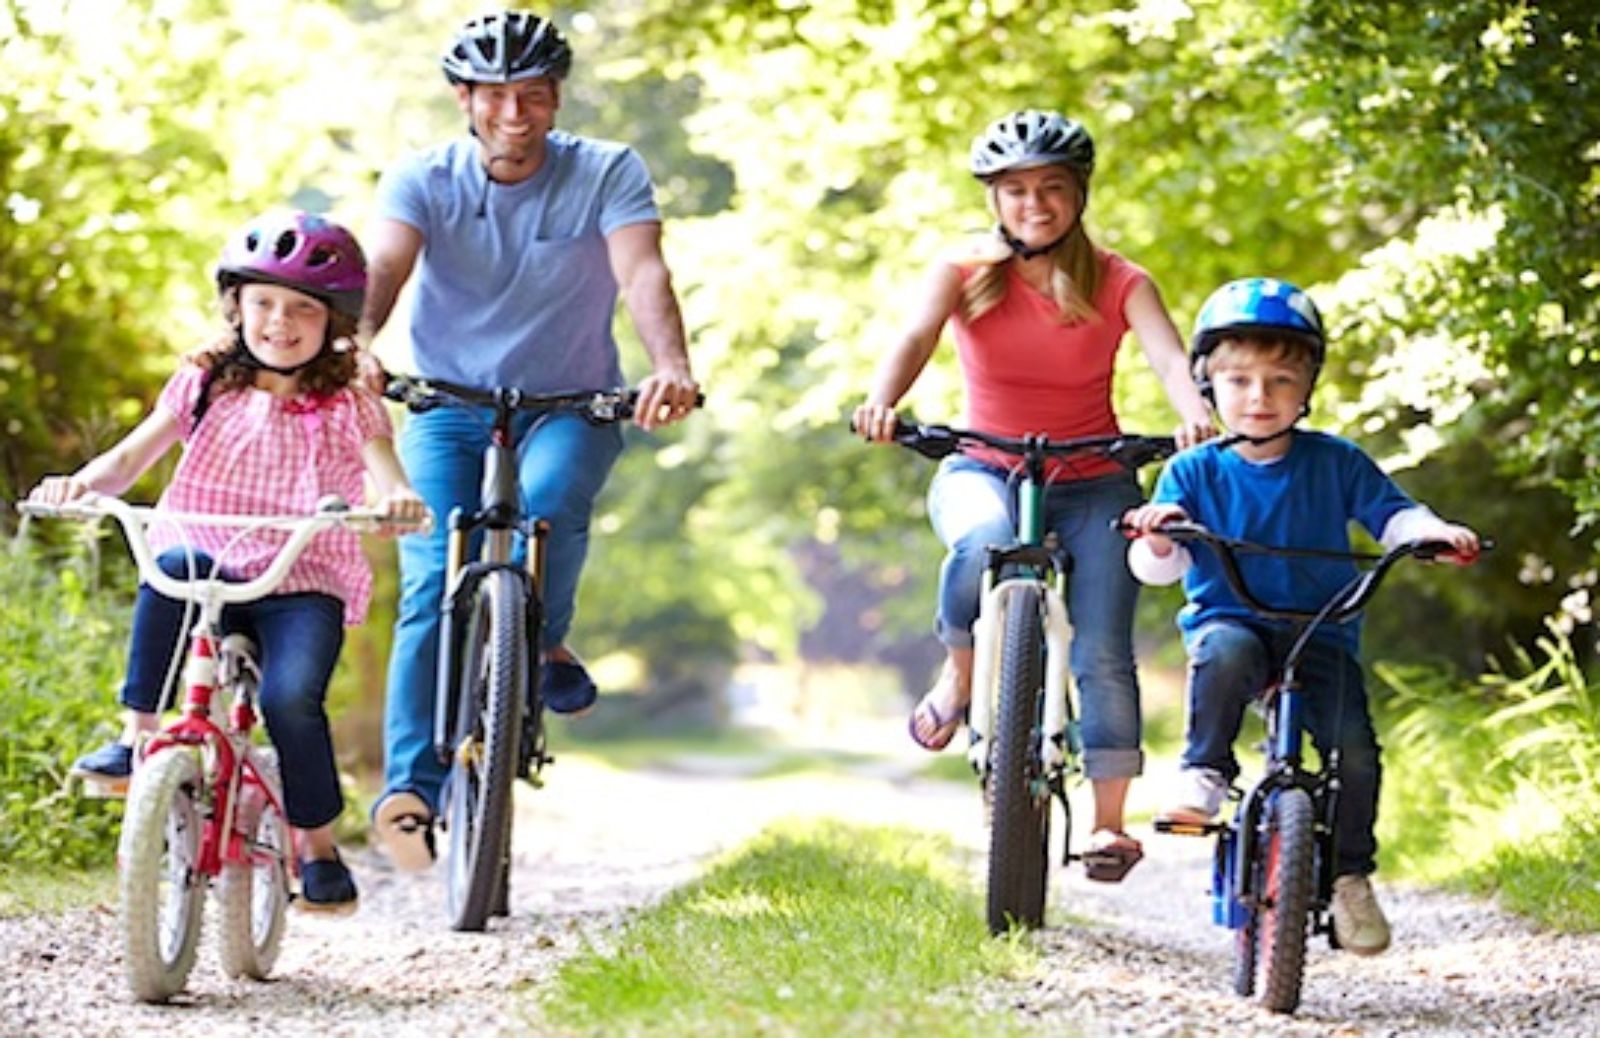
point(1201, 792)
point(327, 886)
point(109, 767)
point(1358, 920)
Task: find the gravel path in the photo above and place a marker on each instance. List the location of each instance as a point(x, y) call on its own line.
point(1137, 959)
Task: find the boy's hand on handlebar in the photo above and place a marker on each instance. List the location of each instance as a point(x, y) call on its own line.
point(1146, 519)
point(665, 397)
point(875, 423)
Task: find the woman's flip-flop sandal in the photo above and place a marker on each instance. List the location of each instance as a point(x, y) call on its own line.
point(944, 728)
point(1111, 856)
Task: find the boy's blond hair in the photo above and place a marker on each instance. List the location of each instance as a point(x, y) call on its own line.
point(1289, 348)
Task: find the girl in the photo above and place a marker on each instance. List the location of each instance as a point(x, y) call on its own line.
point(1039, 312)
point(271, 421)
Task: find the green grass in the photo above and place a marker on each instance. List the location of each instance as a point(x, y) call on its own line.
point(28, 890)
point(810, 930)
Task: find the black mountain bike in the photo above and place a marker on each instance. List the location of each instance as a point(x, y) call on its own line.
point(1023, 720)
point(1273, 870)
point(489, 716)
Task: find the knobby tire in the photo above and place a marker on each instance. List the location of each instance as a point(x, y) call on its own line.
point(161, 894)
point(494, 666)
point(1019, 803)
point(1288, 847)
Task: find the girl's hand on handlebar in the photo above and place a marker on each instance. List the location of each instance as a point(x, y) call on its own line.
point(874, 423)
point(402, 506)
point(57, 490)
point(665, 397)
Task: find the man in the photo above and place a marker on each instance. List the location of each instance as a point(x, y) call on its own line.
point(526, 236)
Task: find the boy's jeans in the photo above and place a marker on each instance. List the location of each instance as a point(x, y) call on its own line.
point(971, 508)
point(1230, 660)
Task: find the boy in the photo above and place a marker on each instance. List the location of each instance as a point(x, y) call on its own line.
point(1257, 349)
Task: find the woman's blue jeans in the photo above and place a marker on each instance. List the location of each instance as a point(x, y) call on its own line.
point(1230, 661)
point(563, 461)
point(297, 638)
point(972, 507)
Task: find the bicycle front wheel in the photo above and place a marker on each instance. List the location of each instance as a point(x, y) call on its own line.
point(1019, 797)
point(253, 896)
point(492, 671)
point(161, 893)
point(1286, 846)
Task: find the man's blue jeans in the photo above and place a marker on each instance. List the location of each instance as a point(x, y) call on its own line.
point(1230, 660)
point(971, 508)
point(563, 461)
point(297, 638)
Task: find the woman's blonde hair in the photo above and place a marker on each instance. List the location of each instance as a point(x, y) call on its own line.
point(1074, 283)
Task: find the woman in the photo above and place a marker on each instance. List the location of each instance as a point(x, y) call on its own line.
point(1038, 313)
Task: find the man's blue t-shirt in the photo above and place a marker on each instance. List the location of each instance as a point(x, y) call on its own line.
point(1306, 499)
point(524, 295)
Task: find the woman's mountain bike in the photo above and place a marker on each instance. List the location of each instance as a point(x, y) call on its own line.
point(205, 803)
point(1023, 719)
point(1273, 870)
point(489, 717)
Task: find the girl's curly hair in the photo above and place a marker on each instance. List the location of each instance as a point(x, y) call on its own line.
point(227, 369)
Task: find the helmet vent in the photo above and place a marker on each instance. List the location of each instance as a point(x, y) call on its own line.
point(284, 247)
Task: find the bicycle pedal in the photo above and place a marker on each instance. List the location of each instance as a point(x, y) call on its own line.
point(1171, 828)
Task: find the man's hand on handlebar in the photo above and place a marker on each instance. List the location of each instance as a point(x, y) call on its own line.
point(665, 397)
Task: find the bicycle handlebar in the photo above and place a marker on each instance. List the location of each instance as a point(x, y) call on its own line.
point(940, 441)
point(420, 394)
point(1345, 605)
point(134, 519)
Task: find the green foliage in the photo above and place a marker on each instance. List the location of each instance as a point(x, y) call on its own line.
point(814, 930)
point(1497, 786)
point(59, 702)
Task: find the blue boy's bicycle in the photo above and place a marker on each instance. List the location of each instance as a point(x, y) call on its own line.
point(1022, 718)
point(1273, 869)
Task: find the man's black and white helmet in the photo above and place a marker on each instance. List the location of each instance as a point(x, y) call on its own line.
point(505, 47)
point(1032, 138)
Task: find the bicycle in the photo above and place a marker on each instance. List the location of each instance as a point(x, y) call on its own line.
point(488, 714)
point(1023, 723)
point(205, 803)
point(1273, 866)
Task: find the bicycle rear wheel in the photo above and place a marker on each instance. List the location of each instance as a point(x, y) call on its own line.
point(161, 893)
point(1283, 918)
point(253, 896)
point(492, 673)
point(1019, 799)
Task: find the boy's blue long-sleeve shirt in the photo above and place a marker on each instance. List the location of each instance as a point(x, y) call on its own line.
point(1305, 499)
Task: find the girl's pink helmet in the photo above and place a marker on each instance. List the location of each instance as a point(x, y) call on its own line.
point(298, 250)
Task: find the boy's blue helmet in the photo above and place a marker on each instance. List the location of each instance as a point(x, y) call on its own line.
point(1256, 306)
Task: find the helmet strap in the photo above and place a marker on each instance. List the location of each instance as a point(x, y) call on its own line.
point(1023, 251)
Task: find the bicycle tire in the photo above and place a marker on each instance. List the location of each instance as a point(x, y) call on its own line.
point(160, 891)
point(1287, 848)
point(1019, 803)
point(253, 895)
point(494, 665)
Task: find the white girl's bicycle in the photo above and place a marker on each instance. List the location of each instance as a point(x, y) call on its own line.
point(205, 803)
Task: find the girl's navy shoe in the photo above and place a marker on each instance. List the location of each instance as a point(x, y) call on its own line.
point(327, 886)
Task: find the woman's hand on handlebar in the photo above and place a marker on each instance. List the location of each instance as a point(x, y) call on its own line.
point(665, 397)
point(875, 423)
